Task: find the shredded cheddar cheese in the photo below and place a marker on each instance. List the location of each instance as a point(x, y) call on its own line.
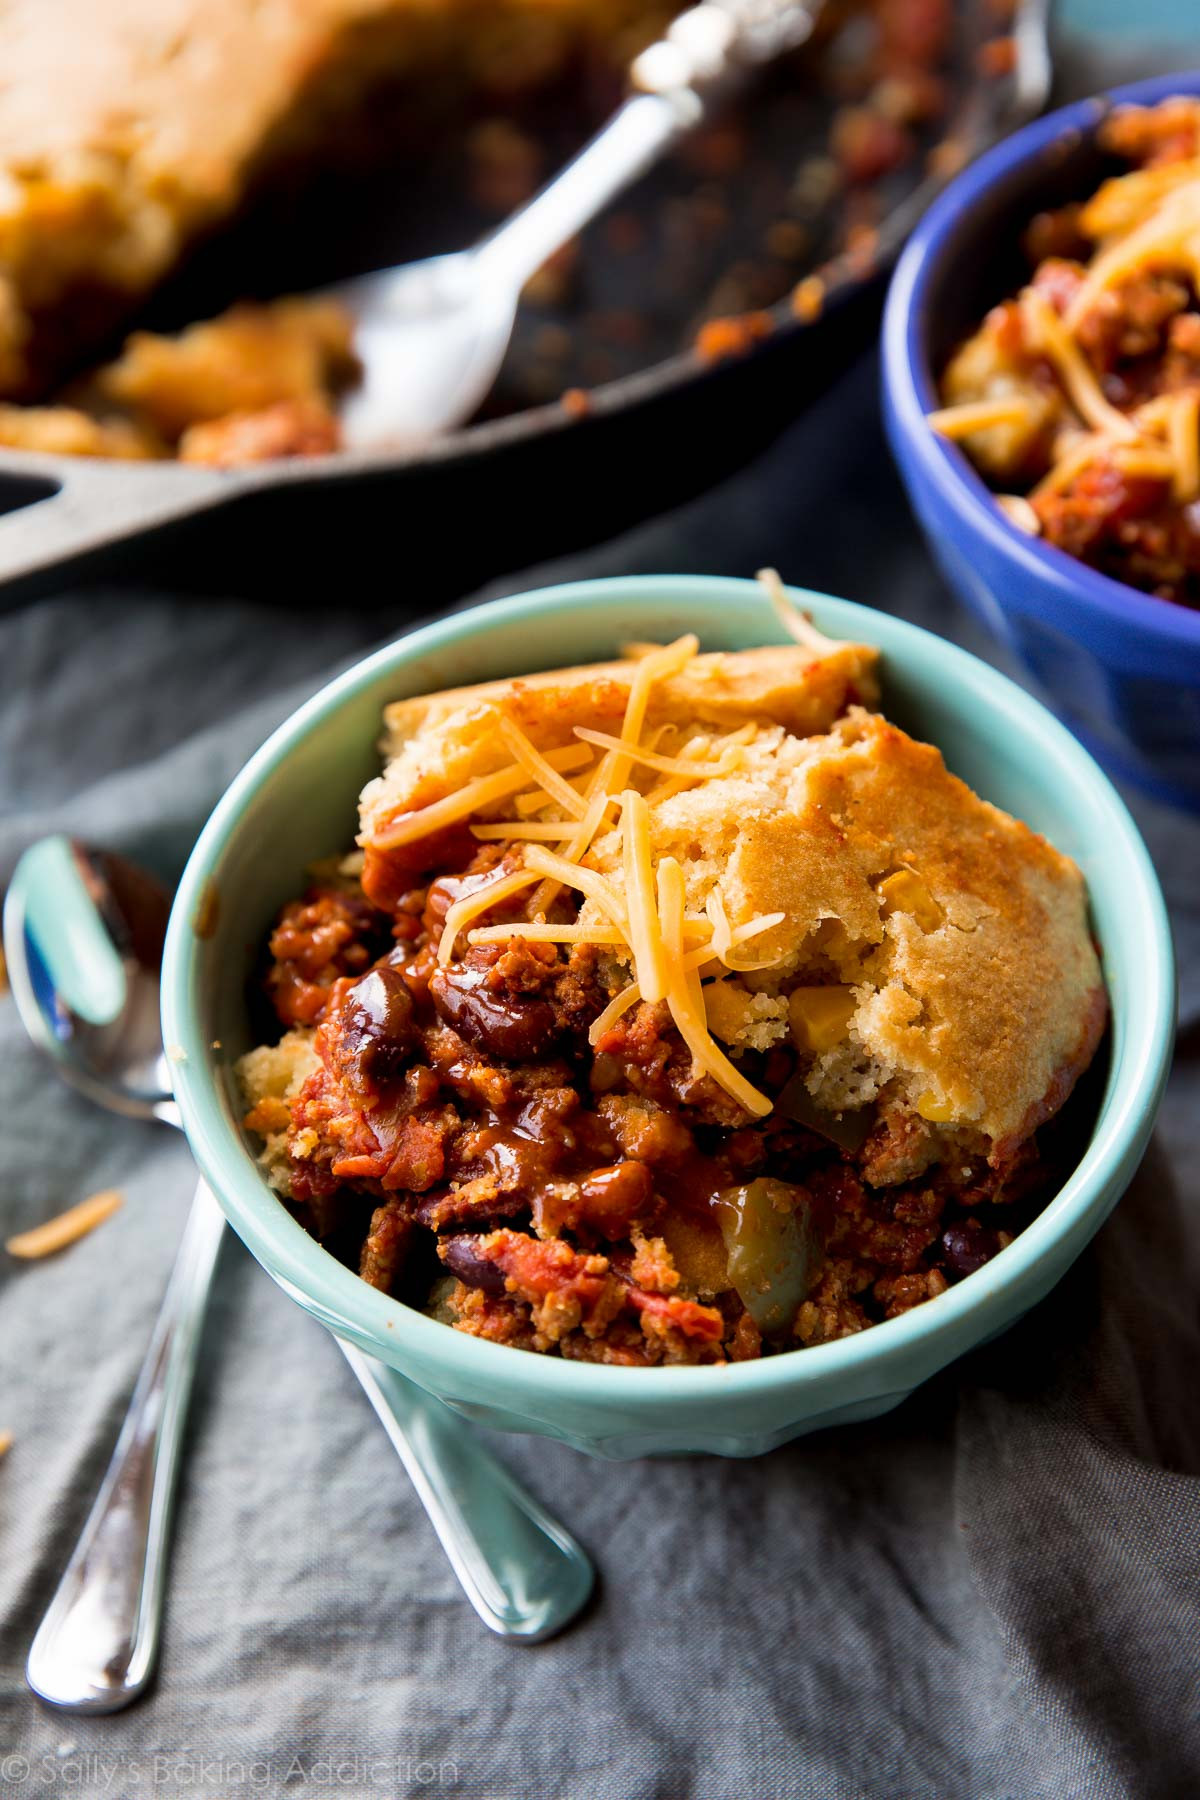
point(1144, 223)
point(655, 666)
point(588, 882)
point(685, 997)
point(562, 798)
point(485, 790)
point(66, 1227)
point(691, 767)
point(470, 906)
point(1183, 435)
point(616, 1008)
point(540, 768)
point(1170, 236)
point(645, 930)
point(542, 831)
point(701, 959)
point(1047, 332)
point(956, 422)
point(794, 622)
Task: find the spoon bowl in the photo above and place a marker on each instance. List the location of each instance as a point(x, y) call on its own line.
point(430, 338)
point(83, 938)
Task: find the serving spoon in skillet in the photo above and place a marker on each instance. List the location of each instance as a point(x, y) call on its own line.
point(83, 934)
point(431, 335)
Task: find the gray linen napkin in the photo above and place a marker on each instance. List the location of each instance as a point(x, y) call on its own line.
point(991, 1593)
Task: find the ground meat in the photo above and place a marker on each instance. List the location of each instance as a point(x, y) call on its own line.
point(834, 1309)
point(653, 1266)
point(1181, 365)
point(1058, 280)
point(327, 934)
point(900, 1147)
point(645, 1131)
point(1129, 321)
point(499, 1319)
point(900, 1293)
point(564, 1289)
point(1150, 136)
point(1086, 518)
point(656, 1062)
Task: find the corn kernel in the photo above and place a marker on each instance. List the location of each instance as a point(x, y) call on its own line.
point(937, 1111)
point(819, 1016)
point(905, 892)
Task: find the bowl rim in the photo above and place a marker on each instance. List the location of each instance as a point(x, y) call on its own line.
point(910, 386)
point(342, 1299)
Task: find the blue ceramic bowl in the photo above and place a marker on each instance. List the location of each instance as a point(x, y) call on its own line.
point(1122, 668)
point(295, 801)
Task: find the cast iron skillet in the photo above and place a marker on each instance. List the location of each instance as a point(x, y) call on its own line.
point(498, 494)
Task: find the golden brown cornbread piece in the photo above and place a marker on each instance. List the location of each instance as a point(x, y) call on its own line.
point(974, 1018)
point(250, 358)
point(260, 380)
point(271, 1077)
point(129, 127)
point(436, 743)
point(69, 431)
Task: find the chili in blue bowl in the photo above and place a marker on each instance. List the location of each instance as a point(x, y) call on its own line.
point(1120, 667)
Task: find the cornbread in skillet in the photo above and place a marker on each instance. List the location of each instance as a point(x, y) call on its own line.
point(129, 128)
point(166, 120)
point(259, 381)
point(680, 1009)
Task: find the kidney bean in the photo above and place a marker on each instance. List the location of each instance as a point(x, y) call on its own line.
point(611, 1199)
point(512, 1027)
point(458, 1254)
point(376, 1036)
point(965, 1248)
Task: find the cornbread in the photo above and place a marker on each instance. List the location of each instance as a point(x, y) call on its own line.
point(257, 382)
point(129, 130)
point(675, 1009)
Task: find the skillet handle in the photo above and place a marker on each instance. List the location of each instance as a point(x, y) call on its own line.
point(58, 514)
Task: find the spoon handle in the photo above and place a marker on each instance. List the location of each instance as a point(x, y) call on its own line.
point(95, 1649)
point(522, 1571)
point(701, 55)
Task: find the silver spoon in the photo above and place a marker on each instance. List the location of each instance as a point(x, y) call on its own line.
point(83, 935)
point(431, 335)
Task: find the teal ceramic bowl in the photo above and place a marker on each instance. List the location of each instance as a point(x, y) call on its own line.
point(295, 801)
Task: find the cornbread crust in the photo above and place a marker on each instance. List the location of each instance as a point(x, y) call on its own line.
point(271, 1077)
point(976, 1027)
point(981, 1023)
point(130, 127)
point(435, 743)
point(258, 380)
